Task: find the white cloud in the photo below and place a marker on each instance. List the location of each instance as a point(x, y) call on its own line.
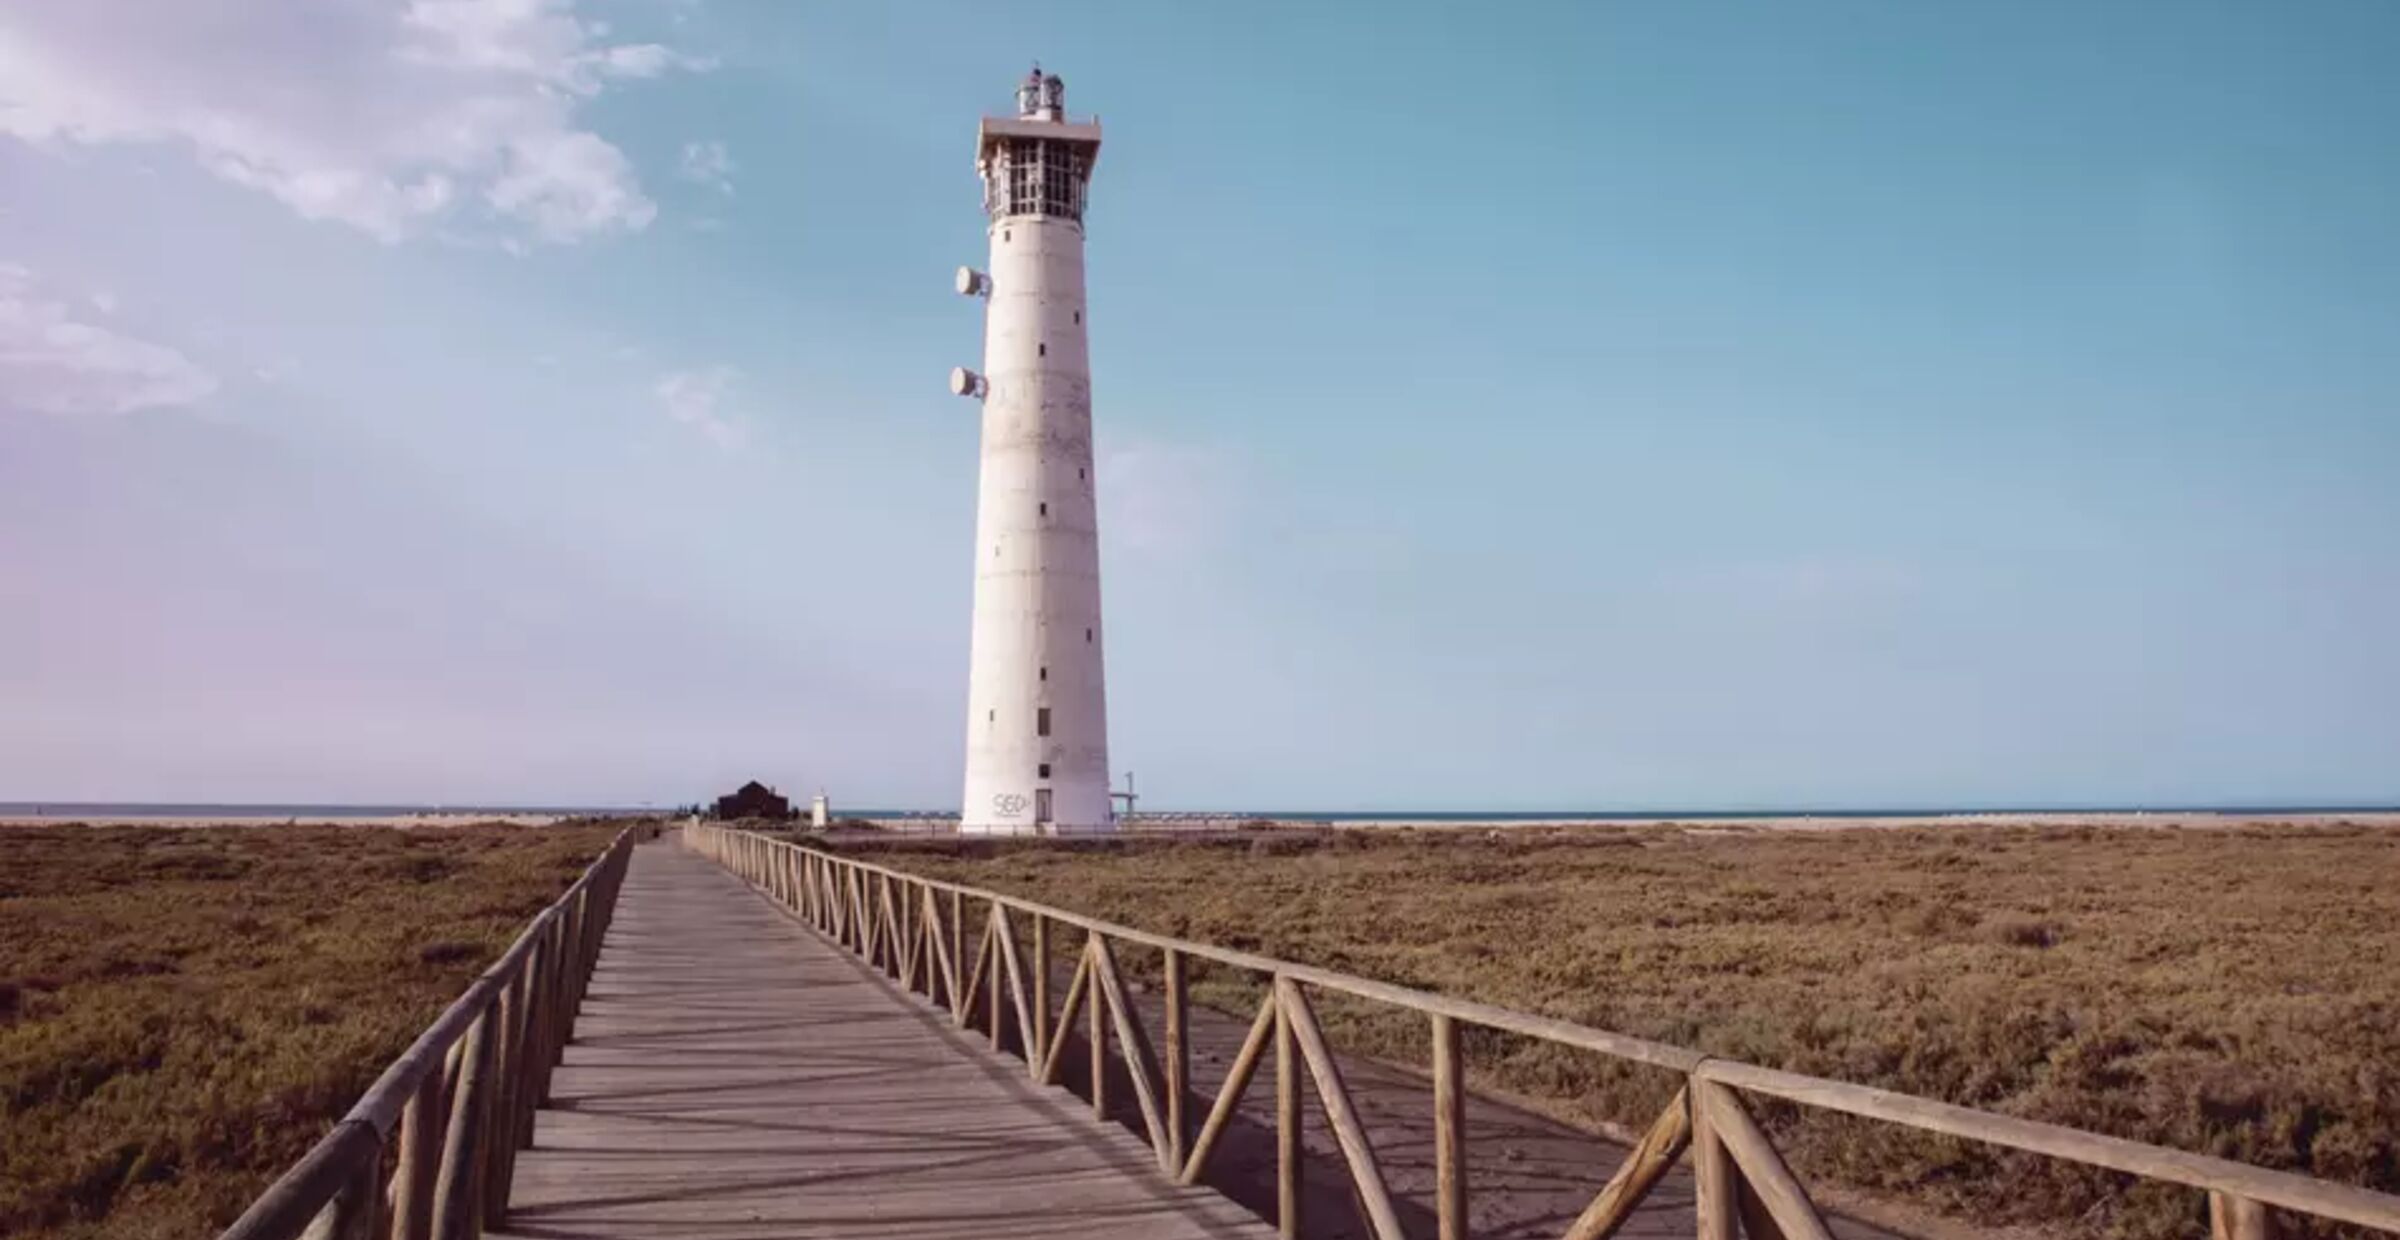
point(692, 397)
point(52, 362)
point(390, 118)
point(708, 163)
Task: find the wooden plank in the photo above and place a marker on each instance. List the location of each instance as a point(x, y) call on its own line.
point(1229, 1095)
point(1449, 1132)
point(1141, 1065)
point(1649, 1162)
point(1374, 1196)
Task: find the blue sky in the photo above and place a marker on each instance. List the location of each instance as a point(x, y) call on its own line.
point(1603, 406)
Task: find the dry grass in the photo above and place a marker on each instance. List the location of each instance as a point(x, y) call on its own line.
point(184, 1010)
point(2235, 992)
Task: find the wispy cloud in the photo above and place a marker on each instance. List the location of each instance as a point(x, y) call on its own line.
point(1163, 498)
point(54, 362)
point(397, 120)
point(708, 163)
point(696, 399)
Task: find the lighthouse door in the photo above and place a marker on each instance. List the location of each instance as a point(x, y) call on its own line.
point(1041, 806)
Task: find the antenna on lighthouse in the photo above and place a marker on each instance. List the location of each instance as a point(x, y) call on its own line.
point(1042, 96)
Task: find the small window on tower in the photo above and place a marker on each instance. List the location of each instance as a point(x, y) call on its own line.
point(1006, 233)
point(1041, 350)
point(1079, 316)
point(1045, 510)
point(1045, 771)
point(1087, 635)
point(1045, 673)
point(1041, 721)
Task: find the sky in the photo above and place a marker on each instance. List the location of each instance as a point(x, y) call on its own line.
point(1524, 406)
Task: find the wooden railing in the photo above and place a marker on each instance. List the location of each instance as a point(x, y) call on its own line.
point(462, 1095)
point(916, 930)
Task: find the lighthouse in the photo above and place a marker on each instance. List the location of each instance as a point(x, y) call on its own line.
point(1037, 707)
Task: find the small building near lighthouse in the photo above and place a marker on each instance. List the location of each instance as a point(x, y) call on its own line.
point(752, 800)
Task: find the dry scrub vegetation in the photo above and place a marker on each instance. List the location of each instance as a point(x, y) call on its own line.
point(184, 1010)
point(2235, 992)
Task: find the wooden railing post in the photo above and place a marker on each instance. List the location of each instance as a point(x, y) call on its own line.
point(1714, 1180)
point(1133, 1047)
point(1097, 1033)
point(420, 1159)
point(457, 1213)
point(1041, 994)
point(2238, 1218)
point(993, 972)
point(1178, 1060)
point(1333, 1094)
point(1449, 1131)
point(356, 1210)
point(508, 1064)
point(1773, 1204)
point(958, 956)
point(561, 1018)
point(1287, 1119)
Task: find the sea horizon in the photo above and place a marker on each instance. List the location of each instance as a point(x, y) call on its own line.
point(66, 811)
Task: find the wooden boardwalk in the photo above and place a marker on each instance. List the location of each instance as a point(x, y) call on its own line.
point(733, 1077)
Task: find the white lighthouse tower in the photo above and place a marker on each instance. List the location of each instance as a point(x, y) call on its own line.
point(1037, 711)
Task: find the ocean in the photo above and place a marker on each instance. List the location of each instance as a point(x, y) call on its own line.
point(71, 810)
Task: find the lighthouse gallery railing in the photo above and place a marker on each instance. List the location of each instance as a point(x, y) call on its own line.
point(915, 929)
